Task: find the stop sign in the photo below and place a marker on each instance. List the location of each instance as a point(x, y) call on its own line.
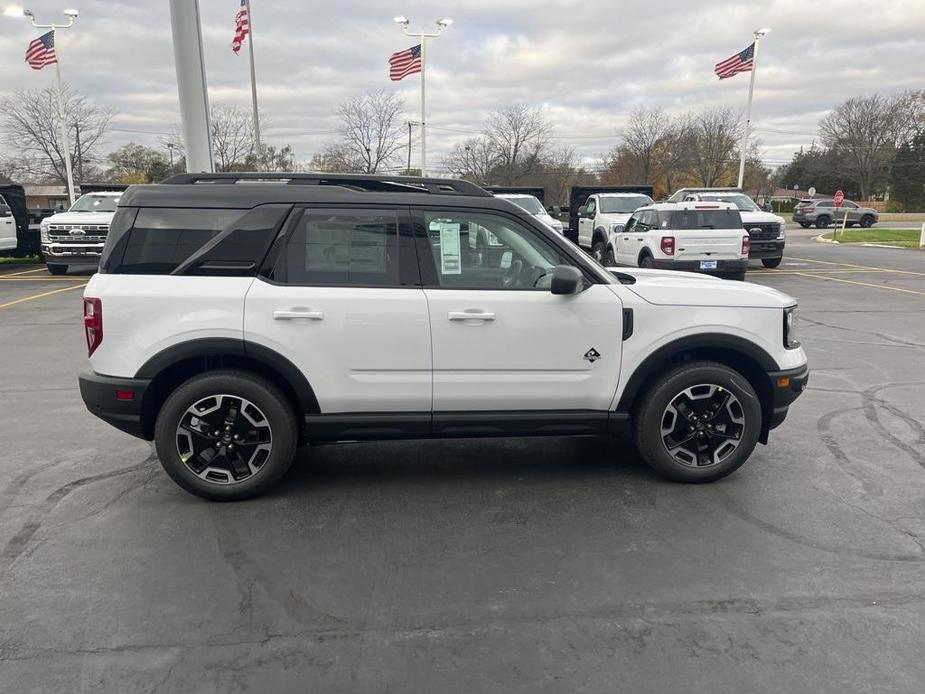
point(839, 198)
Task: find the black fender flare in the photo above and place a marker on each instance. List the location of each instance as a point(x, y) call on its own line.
point(221, 346)
point(700, 342)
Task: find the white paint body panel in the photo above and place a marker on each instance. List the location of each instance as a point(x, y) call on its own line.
point(369, 352)
point(531, 355)
point(145, 314)
point(7, 233)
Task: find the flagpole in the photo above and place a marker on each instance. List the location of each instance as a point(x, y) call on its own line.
point(62, 118)
point(250, 26)
point(62, 115)
point(748, 112)
point(423, 101)
point(422, 37)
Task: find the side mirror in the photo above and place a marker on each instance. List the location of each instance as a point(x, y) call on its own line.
point(566, 280)
point(583, 211)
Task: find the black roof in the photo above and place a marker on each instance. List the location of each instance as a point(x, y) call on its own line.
point(245, 190)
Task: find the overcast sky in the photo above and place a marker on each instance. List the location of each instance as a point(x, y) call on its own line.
point(588, 63)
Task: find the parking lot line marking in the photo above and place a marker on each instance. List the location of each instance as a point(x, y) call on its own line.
point(818, 272)
point(42, 279)
point(862, 284)
point(39, 296)
point(24, 272)
point(865, 267)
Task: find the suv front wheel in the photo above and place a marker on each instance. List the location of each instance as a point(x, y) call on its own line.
point(698, 422)
point(226, 435)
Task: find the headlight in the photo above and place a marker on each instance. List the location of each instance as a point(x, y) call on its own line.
point(782, 231)
point(790, 335)
point(617, 228)
point(43, 232)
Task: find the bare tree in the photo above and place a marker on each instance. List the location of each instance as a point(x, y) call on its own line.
point(867, 131)
point(29, 122)
point(475, 160)
point(675, 152)
point(372, 134)
point(713, 138)
point(643, 138)
point(232, 134)
point(520, 138)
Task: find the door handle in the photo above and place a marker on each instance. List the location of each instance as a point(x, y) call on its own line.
point(297, 314)
point(470, 315)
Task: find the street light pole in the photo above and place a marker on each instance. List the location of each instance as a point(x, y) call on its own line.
point(62, 117)
point(422, 37)
point(748, 112)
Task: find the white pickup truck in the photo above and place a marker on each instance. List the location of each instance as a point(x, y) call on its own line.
point(78, 235)
point(602, 217)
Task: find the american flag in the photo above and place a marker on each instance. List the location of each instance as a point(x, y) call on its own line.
point(740, 62)
point(242, 27)
point(41, 51)
point(405, 63)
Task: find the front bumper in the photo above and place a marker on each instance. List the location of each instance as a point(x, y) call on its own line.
point(766, 249)
point(99, 395)
point(70, 251)
point(739, 265)
point(786, 386)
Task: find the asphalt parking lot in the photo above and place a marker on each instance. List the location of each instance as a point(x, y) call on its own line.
point(559, 565)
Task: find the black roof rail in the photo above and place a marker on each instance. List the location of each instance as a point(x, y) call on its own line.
point(373, 183)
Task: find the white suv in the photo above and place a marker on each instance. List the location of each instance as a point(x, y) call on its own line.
point(706, 237)
point(232, 323)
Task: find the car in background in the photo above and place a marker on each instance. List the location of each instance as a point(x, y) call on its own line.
point(602, 218)
point(77, 235)
point(822, 213)
point(8, 240)
point(686, 235)
point(768, 232)
point(532, 205)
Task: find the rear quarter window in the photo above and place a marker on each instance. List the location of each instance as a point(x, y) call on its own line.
point(160, 239)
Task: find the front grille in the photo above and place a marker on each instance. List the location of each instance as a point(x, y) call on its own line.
point(85, 233)
point(762, 232)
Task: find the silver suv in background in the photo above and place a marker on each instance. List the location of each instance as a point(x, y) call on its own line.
point(823, 212)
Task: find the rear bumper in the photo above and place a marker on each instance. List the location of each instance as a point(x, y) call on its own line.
point(739, 265)
point(99, 395)
point(766, 249)
point(786, 386)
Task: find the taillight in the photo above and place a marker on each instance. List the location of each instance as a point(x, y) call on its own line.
point(93, 323)
point(746, 245)
point(667, 245)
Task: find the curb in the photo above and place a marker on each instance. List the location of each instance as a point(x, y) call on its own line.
point(822, 240)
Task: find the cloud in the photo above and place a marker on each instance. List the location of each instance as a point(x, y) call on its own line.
point(588, 62)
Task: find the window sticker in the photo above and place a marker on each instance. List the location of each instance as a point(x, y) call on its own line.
point(450, 262)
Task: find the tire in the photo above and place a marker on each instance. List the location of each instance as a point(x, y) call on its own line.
point(56, 269)
point(867, 221)
point(659, 417)
point(736, 276)
point(609, 259)
point(262, 415)
point(805, 225)
point(646, 261)
point(823, 222)
point(598, 249)
point(771, 262)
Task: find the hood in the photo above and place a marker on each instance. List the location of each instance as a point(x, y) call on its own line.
point(761, 218)
point(667, 287)
point(80, 218)
point(549, 220)
point(614, 217)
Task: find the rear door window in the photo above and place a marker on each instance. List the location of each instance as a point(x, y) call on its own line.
point(341, 247)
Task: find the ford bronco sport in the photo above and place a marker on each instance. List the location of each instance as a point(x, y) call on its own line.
point(236, 317)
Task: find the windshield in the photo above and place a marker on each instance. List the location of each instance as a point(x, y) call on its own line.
point(623, 204)
point(529, 203)
point(96, 203)
point(743, 202)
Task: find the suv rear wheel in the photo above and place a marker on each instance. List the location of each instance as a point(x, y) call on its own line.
point(226, 435)
point(698, 422)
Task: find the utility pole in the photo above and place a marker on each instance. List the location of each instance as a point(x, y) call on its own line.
point(80, 154)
